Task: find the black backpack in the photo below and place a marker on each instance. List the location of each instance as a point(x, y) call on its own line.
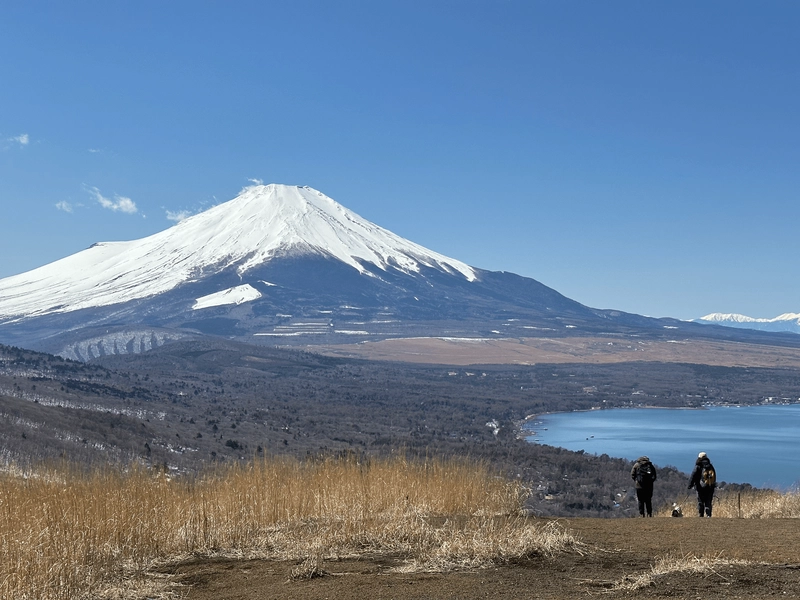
point(646, 473)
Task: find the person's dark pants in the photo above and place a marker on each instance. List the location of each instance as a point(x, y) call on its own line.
point(705, 497)
point(645, 498)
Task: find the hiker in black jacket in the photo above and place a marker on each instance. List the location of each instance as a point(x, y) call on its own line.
point(704, 480)
point(644, 476)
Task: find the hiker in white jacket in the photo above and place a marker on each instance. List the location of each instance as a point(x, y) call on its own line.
point(704, 480)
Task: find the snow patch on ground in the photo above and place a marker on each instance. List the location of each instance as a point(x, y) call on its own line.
point(121, 342)
point(234, 295)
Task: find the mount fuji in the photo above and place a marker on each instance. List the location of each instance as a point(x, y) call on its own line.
point(279, 264)
point(263, 224)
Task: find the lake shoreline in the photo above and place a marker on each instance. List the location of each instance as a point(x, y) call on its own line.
point(753, 443)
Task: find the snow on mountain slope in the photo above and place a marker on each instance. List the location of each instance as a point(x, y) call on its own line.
point(784, 322)
point(736, 318)
point(261, 223)
point(234, 295)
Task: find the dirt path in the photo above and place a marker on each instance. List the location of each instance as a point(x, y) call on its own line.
point(612, 550)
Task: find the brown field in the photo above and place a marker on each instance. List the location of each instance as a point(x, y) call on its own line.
point(592, 350)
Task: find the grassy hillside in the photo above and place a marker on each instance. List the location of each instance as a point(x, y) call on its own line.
point(66, 533)
point(69, 533)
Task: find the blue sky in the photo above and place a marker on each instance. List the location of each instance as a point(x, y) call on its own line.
point(633, 155)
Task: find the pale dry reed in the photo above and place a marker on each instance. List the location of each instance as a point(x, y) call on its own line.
point(66, 534)
point(667, 565)
point(758, 504)
point(747, 504)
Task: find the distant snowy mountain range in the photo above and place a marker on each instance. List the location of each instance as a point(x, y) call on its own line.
point(288, 265)
point(785, 322)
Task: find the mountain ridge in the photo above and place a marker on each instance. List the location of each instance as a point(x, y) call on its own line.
point(786, 322)
point(288, 265)
point(262, 223)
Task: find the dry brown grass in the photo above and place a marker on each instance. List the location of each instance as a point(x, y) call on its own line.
point(481, 542)
point(749, 504)
point(758, 504)
point(667, 565)
point(68, 534)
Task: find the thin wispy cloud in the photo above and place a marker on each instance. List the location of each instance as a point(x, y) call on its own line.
point(15, 141)
point(118, 204)
point(178, 215)
point(65, 206)
point(253, 181)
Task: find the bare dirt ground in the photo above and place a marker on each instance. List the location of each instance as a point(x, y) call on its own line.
point(605, 350)
point(611, 554)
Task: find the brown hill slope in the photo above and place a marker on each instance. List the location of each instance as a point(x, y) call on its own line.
point(720, 558)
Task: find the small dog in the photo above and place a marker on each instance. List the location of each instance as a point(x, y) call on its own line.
point(676, 511)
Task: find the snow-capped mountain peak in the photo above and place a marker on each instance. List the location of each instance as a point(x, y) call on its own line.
point(737, 318)
point(785, 322)
point(728, 317)
point(263, 222)
point(270, 219)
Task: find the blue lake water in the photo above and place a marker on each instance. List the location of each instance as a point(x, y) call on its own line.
point(759, 445)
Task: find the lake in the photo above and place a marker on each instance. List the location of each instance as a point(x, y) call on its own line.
point(759, 445)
